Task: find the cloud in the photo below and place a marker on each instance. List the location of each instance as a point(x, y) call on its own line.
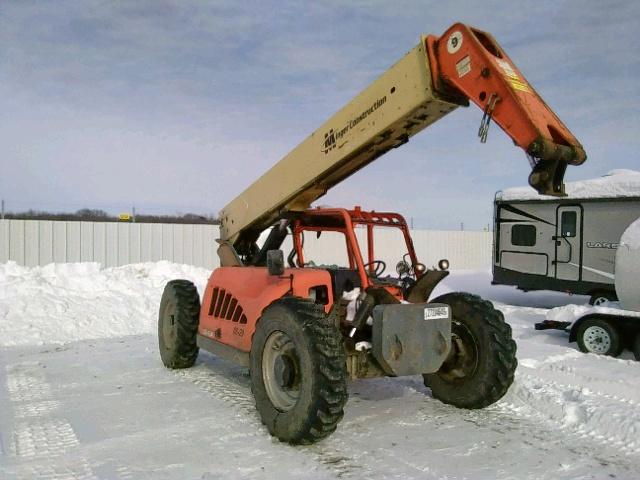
point(182, 104)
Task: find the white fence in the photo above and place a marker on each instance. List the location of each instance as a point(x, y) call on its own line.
point(468, 250)
point(40, 242)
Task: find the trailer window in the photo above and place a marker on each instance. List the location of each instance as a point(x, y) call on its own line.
point(523, 235)
point(568, 224)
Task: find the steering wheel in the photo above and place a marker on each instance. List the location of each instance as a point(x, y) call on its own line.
point(379, 267)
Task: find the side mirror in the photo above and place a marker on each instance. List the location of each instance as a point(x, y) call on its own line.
point(275, 262)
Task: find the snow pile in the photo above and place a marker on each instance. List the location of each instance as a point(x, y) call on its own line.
point(61, 303)
point(615, 184)
point(571, 313)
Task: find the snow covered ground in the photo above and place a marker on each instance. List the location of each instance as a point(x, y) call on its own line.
point(83, 394)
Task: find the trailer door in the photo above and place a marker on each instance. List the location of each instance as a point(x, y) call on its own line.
point(568, 240)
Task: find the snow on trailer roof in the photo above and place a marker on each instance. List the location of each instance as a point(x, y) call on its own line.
point(620, 183)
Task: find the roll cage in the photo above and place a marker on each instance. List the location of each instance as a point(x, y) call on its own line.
point(346, 221)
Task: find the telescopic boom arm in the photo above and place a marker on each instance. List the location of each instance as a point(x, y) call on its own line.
point(431, 80)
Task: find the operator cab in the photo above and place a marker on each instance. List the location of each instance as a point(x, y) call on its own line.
point(331, 239)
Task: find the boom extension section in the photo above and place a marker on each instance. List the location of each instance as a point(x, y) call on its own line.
point(431, 80)
point(473, 64)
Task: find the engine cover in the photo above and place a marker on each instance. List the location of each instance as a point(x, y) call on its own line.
point(411, 339)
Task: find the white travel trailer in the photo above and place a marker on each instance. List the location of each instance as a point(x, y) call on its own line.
point(609, 328)
point(566, 244)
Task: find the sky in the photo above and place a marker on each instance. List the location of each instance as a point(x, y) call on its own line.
point(177, 106)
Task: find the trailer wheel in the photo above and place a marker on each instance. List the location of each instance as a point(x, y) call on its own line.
point(602, 297)
point(298, 371)
point(178, 324)
point(596, 335)
point(636, 347)
point(482, 362)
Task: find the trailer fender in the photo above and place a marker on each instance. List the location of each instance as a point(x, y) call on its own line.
point(423, 288)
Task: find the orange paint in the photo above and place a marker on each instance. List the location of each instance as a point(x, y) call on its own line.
point(253, 289)
point(470, 62)
point(235, 297)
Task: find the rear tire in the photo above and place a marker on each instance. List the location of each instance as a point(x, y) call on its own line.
point(481, 366)
point(178, 324)
point(598, 336)
point(298, 371)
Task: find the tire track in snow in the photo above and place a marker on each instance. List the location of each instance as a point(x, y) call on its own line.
point(575, 409)
point(35, 437)
point(569, 375)
point(239, 397)
point(25, 382)
point(43, 438)
point(35, 409)
point(534, 429)
point(64, 470)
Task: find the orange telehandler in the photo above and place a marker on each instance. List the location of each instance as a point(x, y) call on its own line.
point(304, 328)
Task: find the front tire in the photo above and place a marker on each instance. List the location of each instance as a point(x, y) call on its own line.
point(598, 336)
point(298, 371)
point(178, 324)
point(482, 362)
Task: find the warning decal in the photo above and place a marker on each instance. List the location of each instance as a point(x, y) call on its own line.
point(513, 77)
point(518, 85)
point(463, 66)
point(507, 69)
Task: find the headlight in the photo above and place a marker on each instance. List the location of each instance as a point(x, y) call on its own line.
point(402, 268)
point(443, 264)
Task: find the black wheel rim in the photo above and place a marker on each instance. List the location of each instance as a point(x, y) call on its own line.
point(462, 361)
point(281, 371)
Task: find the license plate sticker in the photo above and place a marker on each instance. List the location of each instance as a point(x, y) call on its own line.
point(435, 313)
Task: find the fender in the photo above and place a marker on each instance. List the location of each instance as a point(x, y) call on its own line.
point(235, 298)
point(421, 291)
